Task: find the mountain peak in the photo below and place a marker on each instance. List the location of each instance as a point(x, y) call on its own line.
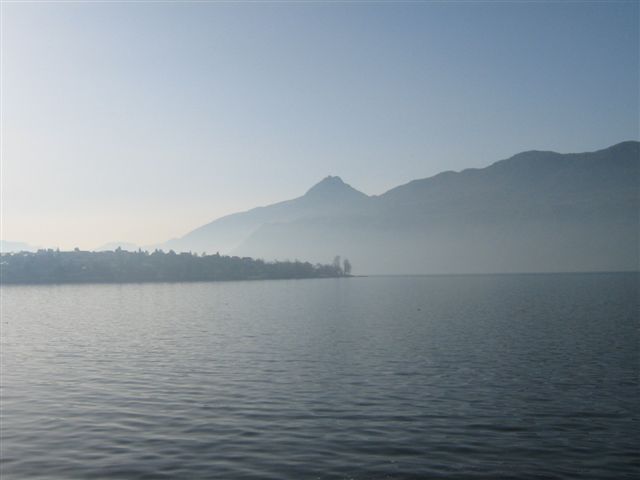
point(331, 186)
point(329, 181)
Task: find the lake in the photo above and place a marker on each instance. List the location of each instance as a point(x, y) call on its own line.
point(496, 376)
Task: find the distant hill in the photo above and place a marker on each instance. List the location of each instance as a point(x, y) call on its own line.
point(330, 197)
point(112, 246)
point(534, 212)
point(7, 246)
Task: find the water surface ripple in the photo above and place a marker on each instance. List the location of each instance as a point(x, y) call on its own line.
point(514, 376)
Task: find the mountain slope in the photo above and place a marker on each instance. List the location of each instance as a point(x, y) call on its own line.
point(8, 246)
point(536, 211)
point(329, 197)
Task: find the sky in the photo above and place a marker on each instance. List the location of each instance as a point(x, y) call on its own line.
point(138, 122)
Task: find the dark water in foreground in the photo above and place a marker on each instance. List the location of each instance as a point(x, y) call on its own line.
point(363, 378)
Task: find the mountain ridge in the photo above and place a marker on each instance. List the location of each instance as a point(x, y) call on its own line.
point(325, 197)
point(552, 197)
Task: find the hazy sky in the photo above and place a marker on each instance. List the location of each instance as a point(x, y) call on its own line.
point(141, 121)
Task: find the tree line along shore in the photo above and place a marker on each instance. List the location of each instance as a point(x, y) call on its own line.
point(54, 266)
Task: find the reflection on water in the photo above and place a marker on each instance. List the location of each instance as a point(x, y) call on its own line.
point(381, 377)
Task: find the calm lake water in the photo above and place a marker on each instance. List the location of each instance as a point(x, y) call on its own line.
point(513, 376)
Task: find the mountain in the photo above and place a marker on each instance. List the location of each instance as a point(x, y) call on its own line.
point(7, 246)
point(537, 211)
point(330, 197)
point(112, 246)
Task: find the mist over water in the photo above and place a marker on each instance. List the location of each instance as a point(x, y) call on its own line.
point(512, 376)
